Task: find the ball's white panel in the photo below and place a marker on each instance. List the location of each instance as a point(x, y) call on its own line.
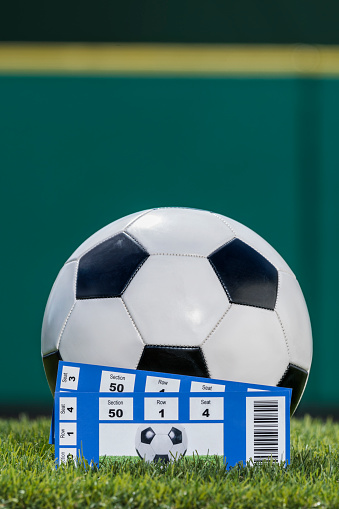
point(180, 231)
point(254, 240)
point(146, 452)
point(59, 304)
point(175, 300)
point(292, 311)
point(161, 444)
point(247, 346)
point(99, 331)
point(105, 233)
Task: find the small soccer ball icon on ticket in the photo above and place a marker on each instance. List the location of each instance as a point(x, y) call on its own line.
point(161, 442)
point(184, 291)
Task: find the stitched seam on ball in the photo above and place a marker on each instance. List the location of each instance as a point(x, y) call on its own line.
point(216, 325)
point(221, 281)
point(254, 248)
point(165, 345)
point(205, 362)
point(246, 242)
point(173, 346)
point(179, 254)
point(308, 373)
point(293, 365)
point(75, 282)
point(225, 222)
point(257, 250)
point(133, 275)
point(56, 279)
point(284, 373)
point(74, 260)
point(75, 278)
point(269, 261)
point(251, 306)
point(64, 326)
point(102, 297)
point(128, 234)
point(280, 321)
point(137, 218)
point(49, 353)
point(180, 208)
point(134, 325)
point(122, 230)
point(98, 244)
point(285, 336)
point(289, 273)
point(220, 247)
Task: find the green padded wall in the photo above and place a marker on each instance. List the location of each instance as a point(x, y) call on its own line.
point(78, 152)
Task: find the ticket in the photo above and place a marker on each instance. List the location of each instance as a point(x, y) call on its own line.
point(92, 378)
point(238, 425)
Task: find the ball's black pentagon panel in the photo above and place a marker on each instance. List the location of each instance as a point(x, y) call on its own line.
point(147, 435)
point(247, 277)
point(162, 458)
point(51, 362)
point(170, 359)
point(175, 435)
point(294, 378)
point(106, 270)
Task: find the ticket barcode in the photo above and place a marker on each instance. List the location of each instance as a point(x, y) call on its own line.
point(265, 433)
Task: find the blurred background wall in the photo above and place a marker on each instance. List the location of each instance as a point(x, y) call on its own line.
point(107, 109)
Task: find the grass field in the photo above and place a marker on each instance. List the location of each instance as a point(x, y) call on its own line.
point(29, 479)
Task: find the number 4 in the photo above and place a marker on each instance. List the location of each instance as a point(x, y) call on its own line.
point(206, 413)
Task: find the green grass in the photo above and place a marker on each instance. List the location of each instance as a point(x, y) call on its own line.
point(28, 477)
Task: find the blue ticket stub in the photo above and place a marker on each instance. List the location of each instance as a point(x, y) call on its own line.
point(92, 378)
point(111, 412)
point(238, 426)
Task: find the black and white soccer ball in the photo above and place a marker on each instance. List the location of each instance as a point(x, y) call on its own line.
point(161, 442)
point(180, 291)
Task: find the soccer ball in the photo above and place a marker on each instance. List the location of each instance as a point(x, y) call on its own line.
point(161, 442)
point(181, 291)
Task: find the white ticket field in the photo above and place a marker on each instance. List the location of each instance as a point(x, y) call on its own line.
point(158, 409)
point(206, 387)
point(66, 454)
point(161, 384)
point(69, 378)
point(115, 409)
point(68, 409)
point(68, 433)
point(209, 409)
point(113, 381)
